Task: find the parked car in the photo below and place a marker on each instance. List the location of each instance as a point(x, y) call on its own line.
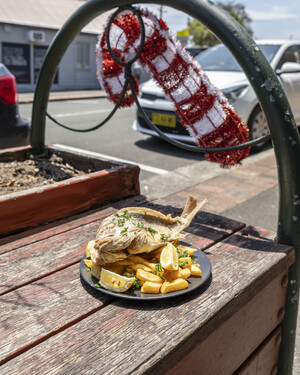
point(14, 131)
point(226, 74)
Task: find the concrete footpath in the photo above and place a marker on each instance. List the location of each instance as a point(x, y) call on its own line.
point(248, 193)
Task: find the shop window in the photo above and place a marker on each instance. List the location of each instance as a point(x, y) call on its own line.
point(39, 53)
point(16, 57)
point(82, 56)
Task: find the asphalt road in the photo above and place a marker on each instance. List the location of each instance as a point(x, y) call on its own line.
point(115, 138)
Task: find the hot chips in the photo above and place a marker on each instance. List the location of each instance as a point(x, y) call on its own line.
point(150, 275)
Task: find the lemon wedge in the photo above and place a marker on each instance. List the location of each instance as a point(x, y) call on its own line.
point(169, 258)
point(89, 247)
point(114, 282)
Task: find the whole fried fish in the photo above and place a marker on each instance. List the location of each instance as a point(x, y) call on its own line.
point(135, 230)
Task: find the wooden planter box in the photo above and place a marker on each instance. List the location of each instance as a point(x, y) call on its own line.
point(109, 181)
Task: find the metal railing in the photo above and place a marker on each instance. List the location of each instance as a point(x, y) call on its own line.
point(284, 133)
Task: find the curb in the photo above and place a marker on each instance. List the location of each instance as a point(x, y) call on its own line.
point(27, 98)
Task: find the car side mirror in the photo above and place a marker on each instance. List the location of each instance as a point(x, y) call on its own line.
point(289, 67)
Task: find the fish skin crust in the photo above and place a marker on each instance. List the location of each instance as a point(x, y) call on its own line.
point(135, 230)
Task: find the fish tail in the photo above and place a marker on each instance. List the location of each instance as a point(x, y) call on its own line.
point(191, 208)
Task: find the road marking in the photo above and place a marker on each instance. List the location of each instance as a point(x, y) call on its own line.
point(85, 113)
point(83, 101)
point(81, 113)
point(143, 167)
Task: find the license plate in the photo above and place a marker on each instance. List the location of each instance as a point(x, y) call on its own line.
point(164, 120)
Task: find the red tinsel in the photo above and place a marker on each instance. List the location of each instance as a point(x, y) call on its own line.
point(203, 110)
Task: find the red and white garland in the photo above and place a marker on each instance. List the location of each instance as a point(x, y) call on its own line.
point(203, 109)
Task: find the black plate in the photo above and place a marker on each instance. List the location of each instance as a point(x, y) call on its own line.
point(194, 282)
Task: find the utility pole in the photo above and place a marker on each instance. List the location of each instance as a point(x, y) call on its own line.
point(161, 11)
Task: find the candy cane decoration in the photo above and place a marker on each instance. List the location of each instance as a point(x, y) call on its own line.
point(202, 108)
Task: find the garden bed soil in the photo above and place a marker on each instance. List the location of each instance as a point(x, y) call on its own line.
point(37, 170)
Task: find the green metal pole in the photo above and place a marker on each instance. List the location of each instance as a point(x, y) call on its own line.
point(272, 99)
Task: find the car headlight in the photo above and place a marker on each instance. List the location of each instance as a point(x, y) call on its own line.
point(234, 93)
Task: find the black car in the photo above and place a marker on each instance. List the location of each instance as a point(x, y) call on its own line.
point(14, 131)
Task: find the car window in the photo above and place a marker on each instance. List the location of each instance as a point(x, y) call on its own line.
point(292, 54)
point(218, 58)
point(3, 70)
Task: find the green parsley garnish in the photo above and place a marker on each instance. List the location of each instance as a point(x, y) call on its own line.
point(181, 264)
point(124, 230)
point(136, 284)
point(125, 216)
point(121, 222)
point(97, 285)
point(158, 270)
point(140, 224)
point(183, 255)
point(152, 231)
point(158, 267)
point(163, 237)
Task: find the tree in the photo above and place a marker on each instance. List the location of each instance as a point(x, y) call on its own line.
point(204, 37)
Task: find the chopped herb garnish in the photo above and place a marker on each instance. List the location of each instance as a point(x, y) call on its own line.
point(116, 214)
point(124, 230)
point(152, 231)
point(159, 270)
point(97, 285)
point(140, 224)
point(181, 264)
point(88, 269)
point(136, 284)
point(163, 237)
point(183, 255)
point(121, 222)
point(193, 261)
point(178, 250)
point(125, 216)
point(158, 267)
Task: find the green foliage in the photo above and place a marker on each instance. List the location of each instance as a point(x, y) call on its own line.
point(203, 37)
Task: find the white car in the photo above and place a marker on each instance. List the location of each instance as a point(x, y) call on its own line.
point(225, 73)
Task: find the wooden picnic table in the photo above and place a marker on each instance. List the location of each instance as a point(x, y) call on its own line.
point(53, 322)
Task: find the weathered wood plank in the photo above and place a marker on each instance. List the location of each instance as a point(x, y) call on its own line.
point(264, 360)
point(43, 308)
point(127, 337)
point(37, 259)
point(227, 346)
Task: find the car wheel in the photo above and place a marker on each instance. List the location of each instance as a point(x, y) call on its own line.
point(258, 126)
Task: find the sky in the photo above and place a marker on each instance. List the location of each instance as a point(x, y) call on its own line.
point(270, 19)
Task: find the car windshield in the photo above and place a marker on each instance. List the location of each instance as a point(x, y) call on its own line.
point(218, 58)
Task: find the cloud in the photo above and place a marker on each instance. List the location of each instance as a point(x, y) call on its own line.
point(273, 13)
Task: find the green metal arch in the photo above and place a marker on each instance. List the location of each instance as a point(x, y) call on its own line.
point(264, 81)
